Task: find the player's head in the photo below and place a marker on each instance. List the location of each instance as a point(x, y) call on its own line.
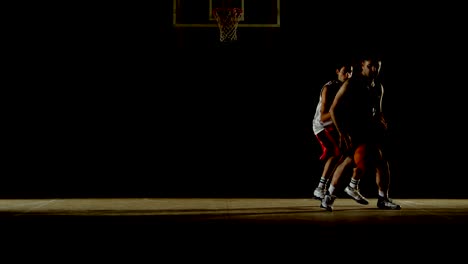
point(370, 65)
point(343, 70)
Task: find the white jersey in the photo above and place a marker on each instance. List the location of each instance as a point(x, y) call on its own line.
point(317, 125)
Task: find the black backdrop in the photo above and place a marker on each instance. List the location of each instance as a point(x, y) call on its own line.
point(113, 106)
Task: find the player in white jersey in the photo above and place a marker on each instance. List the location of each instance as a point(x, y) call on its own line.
point(325, 130)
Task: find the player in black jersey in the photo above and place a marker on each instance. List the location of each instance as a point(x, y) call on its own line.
point(357, 114)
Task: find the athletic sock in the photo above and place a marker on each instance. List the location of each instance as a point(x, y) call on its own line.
point(382, 194)
point(354, 183)
point(322, 183)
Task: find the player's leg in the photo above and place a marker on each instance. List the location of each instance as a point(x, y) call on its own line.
point(331, 155)
point(361, 159)
point(344, 167)
point(383, 184)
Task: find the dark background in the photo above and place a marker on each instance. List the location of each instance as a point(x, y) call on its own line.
point(111, 101)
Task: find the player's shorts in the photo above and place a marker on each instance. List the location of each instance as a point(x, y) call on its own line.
point(371, 133)
point(328, 139)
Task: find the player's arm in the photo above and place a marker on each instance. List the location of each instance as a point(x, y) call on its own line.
point(325, 107)
point(381, 98)
point(379, 113)
point(337, 110)
point(338, 106)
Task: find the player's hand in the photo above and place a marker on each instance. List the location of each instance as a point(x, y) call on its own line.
point(384, 124)
point(345, 143)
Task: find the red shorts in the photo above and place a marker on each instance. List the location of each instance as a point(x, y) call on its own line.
point(329, 141)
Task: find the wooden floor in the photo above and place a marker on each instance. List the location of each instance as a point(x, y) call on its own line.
point(214, 228)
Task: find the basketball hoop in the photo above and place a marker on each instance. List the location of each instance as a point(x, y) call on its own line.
point(228, 20)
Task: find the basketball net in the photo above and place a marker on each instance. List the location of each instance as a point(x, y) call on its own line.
point(228, 20)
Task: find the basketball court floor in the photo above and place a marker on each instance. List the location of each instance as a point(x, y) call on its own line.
point(214, 228)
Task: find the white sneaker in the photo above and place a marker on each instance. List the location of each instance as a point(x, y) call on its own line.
point(386, 203)
point(356, 195)
point(319, 193)
point(327, 202)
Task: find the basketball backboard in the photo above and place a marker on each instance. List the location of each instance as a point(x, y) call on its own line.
point(198, 13)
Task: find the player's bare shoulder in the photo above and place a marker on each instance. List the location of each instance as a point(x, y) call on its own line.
point(344, 87)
